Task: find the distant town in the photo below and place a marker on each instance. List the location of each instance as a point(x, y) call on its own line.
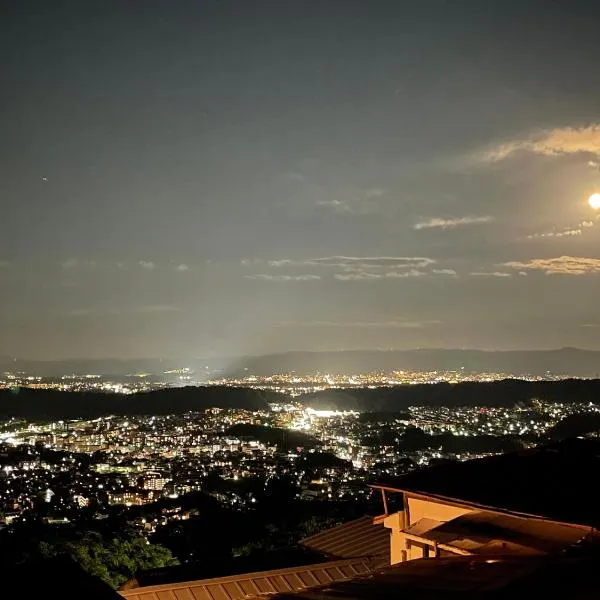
point(59, 468)
point(292, 383)
point(164, 458)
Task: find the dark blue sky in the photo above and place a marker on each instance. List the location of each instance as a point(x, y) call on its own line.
point(225, 177)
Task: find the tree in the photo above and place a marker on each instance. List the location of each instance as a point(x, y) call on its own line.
point(115, 560)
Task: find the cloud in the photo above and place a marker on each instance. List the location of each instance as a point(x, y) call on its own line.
point(154, 308)
point(358, 276)
point(294, 176)
point(147, 309)
point(452, 222)
point(402, 274)
point(568, 232)
point(559, 234)
point(182, 268)
point(267, 277)
point(394, 324)
point(552, 142)
point(336, 206)
point(81, 312)
point(361, 275)
point(363, 203)
point(72, 263)
point(490, 274)
point(561, 265)
point(147, 265)
point(350, 263)
point(361, 268)
point(591, 325)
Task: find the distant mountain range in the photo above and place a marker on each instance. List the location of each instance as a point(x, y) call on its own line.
point(574, 362)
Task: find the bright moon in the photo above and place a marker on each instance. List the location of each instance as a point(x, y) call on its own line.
point(594, 201)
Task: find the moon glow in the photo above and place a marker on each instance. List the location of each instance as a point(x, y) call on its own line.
point(594, 201)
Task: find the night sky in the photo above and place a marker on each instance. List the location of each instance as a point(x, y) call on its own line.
point(220, 177)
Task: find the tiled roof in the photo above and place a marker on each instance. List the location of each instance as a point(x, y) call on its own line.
point(353, 539)
point(253, 585)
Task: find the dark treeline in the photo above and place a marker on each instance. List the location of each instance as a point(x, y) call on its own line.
point(48, 404)
point(497, 393)
point(42, 404)
point(285, 439)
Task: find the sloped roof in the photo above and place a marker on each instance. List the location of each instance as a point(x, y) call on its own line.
point(353, 539)
point(253, 585)
point(468, 578)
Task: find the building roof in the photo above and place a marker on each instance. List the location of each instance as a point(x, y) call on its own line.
point(211, 567)
point(467, 578)
point(483, 532)
point(555, 482)
point(353, 539)
point(253, 585)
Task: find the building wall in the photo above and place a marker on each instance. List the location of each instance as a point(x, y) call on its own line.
point(401, 548)
point(428, 509)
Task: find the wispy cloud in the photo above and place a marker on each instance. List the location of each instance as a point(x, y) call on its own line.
point(294, 176)
point(148, 265)
point(361, 275)
point(268, 277)
point(336, 206)
point(558, 234)
point(356, 262)
point(394, 324)
point(552, 142)
point(374, 193)
point(73, 263)
point(490, 274)
point(145, 309)
point(356, 268)
point(155, 308)
point(561, 265)
point(81, 312)
point(182, 268)
point(449, 272)
point(451, 223)
point(567, 232)
point(361, 203)
point(70, 263)
point(358, 276)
